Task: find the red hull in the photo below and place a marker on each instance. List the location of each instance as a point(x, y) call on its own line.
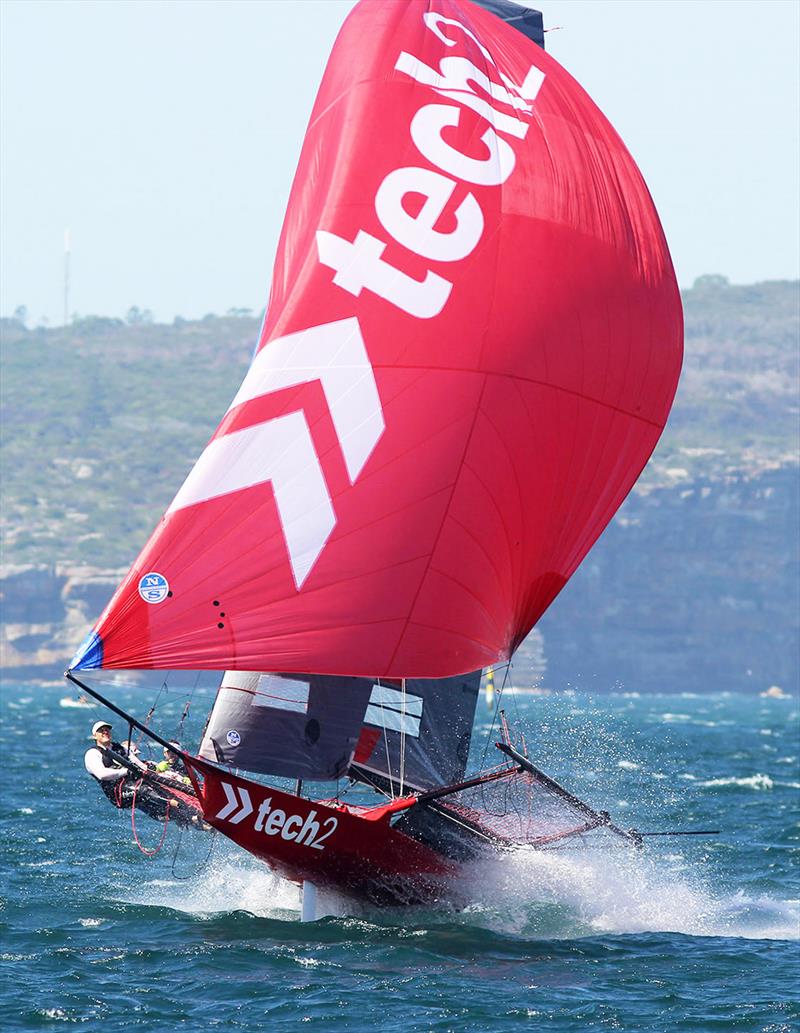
point(351, 849)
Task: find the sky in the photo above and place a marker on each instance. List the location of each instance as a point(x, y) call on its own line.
point(164, 137)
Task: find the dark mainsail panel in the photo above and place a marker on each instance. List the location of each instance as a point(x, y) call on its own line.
point(299, 726)
point(433, 719)
point(529, 22)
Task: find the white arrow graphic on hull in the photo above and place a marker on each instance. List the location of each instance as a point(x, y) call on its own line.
point(234, 803)
point(282, 449)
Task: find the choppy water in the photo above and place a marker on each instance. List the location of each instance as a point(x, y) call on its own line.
point(692, 935)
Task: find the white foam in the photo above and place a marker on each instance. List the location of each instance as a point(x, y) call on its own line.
point(591, 891)
point(547, 894)
point(315, 963)
point(757, 781)
point(233, 882)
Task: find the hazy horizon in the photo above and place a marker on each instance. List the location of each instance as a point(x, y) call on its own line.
point(165, 136)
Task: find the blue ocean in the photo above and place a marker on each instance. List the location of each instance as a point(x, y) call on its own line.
point(696, 934)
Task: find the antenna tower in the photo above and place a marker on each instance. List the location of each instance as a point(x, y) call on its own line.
point(66, 277)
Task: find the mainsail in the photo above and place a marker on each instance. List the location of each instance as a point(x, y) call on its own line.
point(471, 347)
point(299, 727)
point(418, 734)
point(323, 727)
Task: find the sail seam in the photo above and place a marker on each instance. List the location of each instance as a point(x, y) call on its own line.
point(540, 383)
point(442, 523)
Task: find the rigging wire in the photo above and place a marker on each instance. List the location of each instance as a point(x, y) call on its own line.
point(189, 701)
point(498, 702)
point(199, 868)
point(402, 733)
point(164, 688)
point(516, 703)
point(388, 755)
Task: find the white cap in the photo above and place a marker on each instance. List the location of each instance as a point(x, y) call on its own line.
point(98, 725)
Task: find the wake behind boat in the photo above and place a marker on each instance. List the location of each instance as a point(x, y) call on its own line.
point(471, 348)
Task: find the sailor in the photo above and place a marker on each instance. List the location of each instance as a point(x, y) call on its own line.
point(122, 786)
point(125, 787)
point(101, 765)
point(173, 769)
point(172, 763)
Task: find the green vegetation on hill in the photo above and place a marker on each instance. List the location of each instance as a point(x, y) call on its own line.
point(103, 419)
point(739, 388)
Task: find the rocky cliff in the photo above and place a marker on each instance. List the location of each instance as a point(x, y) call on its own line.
point(691, 588)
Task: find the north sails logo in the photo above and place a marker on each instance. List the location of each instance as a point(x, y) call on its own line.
point(305, 831)
point(153, 588)
point(282, 450)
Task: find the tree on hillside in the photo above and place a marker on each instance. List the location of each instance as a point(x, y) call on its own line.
point(710, 281)
point(138, 316)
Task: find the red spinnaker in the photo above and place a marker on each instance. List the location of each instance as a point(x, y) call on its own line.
point(472, 344)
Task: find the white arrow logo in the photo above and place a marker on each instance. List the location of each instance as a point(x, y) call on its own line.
point(282, 450)
point(233, 803)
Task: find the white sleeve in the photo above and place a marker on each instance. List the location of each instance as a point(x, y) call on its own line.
point(95, 766)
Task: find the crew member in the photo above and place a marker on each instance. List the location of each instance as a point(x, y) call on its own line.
point(101, 765)
point(125, 786)
point(172, 763)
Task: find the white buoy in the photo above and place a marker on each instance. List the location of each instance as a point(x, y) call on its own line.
point(308, 903)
